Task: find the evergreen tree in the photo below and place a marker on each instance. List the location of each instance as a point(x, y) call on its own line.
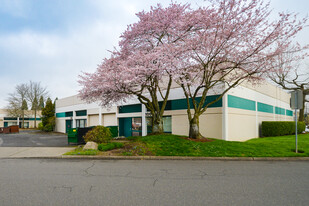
point(35, 107)
point(48, 116)
point(41, 103)
point(24, 106)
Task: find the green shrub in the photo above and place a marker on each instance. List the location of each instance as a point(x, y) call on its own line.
point(49, 125)
point(110, 146)
point(279, 128)
point(98, 134)
point(40, 126)
point(48, 128)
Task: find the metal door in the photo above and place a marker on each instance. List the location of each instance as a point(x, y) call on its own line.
point(68, 125)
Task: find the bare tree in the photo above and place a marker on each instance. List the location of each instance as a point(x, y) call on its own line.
point(17, 100)
point(289, 77)
point(34, 93)
point(24, 107)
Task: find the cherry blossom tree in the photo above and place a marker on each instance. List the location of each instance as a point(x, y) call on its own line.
point(141, 67)
point(231, 41)
point(221, 45)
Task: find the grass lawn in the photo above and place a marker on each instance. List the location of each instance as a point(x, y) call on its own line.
point(80, 151)
point(172, 145)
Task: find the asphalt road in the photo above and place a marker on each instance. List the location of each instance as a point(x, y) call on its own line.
point(97, 182)
point(33, 138)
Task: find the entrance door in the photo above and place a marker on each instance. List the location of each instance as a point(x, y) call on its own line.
point(130, 126)
point(125, 127)
point(68, 125)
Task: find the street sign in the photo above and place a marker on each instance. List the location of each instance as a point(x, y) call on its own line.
point(296, 102)
point(296, 99)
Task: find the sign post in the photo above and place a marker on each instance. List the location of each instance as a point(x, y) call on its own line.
point(296, 103)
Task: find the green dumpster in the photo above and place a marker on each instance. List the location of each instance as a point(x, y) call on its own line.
point(72, 135)
point(113, 130)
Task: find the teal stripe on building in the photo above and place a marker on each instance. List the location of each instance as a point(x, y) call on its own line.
point(65, 114)
point(59, 115)
point(32, 119)
point(180, 104)
point(265, 108)
point(10, 118)
point(241, 103)
point(130, 108)
point(177, 104)
point(279, 110)
point(81, 113)
point(289, 113)
point(26, 118)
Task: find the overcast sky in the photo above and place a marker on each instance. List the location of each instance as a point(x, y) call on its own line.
point(53, 41)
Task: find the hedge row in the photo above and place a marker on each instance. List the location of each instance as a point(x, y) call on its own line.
point(279, 128)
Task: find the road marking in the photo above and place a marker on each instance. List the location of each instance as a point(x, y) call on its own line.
point(1, 141)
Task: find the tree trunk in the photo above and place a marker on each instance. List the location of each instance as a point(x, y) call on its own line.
point(301, 117)
point(157, 125)
point(23, 124)
point(194, 132)
point(35, 118)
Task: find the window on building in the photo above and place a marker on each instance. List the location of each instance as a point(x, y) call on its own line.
point(11, 123)
point(167, 124)
point(81, 113)
point(136, 126)
point(81, 123)
point(26, 124)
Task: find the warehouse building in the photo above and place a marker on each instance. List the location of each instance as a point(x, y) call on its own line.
point(71, 112)
point(236, 117)
point(6, 120)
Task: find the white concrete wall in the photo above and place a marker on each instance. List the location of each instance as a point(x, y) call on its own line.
point(242, 124)
point(73, 103)
point(245, 124)
point(270, 90)
point(210, 122)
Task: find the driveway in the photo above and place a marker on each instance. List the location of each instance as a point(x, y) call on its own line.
point(33, 138)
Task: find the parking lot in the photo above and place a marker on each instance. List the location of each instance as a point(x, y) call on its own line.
point(33, 138)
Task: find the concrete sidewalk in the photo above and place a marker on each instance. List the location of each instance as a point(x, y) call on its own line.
point(35, 152)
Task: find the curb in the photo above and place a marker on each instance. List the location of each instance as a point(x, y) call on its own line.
point(187, 158)
point(80, 157)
